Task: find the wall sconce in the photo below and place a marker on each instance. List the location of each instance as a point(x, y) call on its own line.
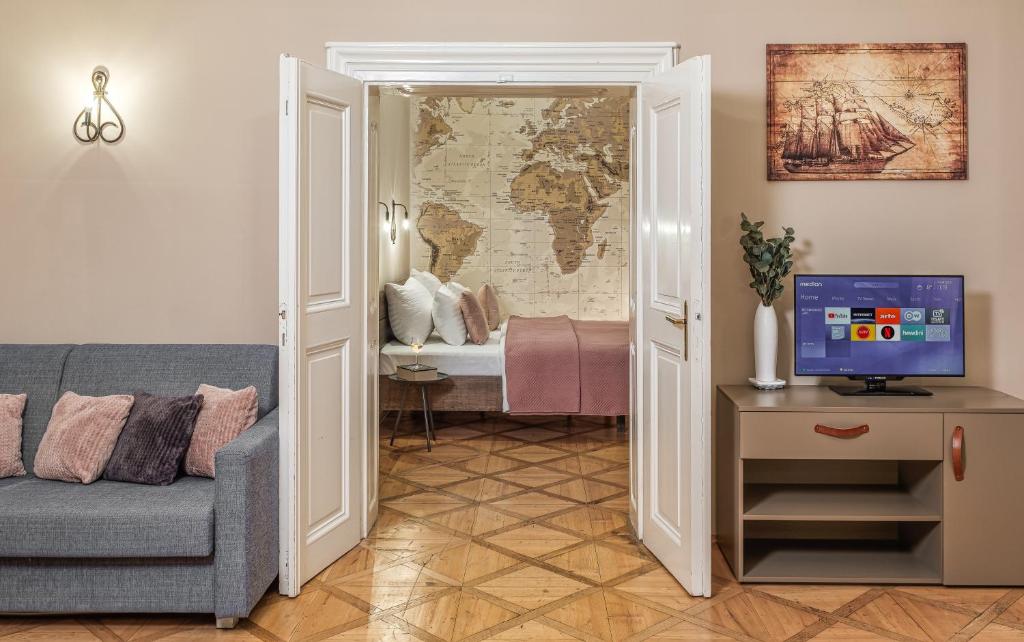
point(391, 218)
point(90, 125)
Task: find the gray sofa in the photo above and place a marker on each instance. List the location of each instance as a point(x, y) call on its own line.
point(196, 546)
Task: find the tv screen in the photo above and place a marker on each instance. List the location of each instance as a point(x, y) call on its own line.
point(879, 325)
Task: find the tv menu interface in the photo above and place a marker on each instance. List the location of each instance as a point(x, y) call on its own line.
point(879, 325)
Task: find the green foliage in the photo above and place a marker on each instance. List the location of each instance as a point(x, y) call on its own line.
point(769, 260)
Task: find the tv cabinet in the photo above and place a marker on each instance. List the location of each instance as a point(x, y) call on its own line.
point(816, 487)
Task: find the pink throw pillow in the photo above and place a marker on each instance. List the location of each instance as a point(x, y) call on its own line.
point(12, 407)
point(476, 320)
point(80, 437)
point(489, 302)
point(225, 415)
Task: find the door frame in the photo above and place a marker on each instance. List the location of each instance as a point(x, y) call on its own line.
point(518, 64)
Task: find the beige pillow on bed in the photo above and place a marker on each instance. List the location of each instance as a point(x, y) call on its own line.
point(489, 302)
point(409, 311)
point(447, 313)
point(473, 315)
point(427, 280)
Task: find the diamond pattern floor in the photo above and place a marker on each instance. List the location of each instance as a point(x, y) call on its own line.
point(516, 529)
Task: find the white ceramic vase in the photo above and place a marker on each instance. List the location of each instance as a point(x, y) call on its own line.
point(766, 344)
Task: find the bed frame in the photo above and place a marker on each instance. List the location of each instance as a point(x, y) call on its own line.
point(462, 393)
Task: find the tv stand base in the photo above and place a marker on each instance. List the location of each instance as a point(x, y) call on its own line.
point(881, 391)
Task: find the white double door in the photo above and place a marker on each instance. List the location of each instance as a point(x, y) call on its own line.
point(328, 448)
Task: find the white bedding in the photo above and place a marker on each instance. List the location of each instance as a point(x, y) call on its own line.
point(469, 359)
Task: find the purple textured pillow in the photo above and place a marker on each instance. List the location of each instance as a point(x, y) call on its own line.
point(476, 320)
point(11, 409)
point(153, 442)
point(80, 437)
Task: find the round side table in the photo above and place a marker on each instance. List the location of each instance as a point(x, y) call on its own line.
point(428, 414)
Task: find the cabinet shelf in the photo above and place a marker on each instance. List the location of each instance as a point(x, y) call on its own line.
point(836, 502)
point(836, 561)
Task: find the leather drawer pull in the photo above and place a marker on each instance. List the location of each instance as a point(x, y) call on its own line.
point(842, 433)
point(958, 453)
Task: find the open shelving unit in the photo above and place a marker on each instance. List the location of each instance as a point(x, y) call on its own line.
point(842, 521)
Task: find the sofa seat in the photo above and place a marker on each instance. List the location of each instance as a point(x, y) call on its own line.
point(10, 481)
point(43, 518)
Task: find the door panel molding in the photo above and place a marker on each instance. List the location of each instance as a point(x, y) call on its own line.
point(667, 451)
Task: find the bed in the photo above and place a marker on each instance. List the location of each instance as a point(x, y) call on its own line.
point(529, 365)
point(475, 382)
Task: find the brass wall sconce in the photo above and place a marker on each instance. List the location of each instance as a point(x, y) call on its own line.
point(90, 125)
point(391, 219)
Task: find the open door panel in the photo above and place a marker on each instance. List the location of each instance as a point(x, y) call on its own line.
point(673, 339)
point(322, 339)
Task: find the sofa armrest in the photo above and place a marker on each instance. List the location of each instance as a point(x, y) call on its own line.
point(246, 518)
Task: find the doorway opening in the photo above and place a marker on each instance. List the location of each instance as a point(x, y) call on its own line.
point(333, 339)
point(520, 195)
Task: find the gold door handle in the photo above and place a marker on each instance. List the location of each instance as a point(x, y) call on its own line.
point(682, 323)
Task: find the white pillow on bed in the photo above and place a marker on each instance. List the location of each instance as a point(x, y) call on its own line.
point(409, 307)
point(427, 280)
point(447, 313)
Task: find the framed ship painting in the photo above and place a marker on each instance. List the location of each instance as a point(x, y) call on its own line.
point(854, 112)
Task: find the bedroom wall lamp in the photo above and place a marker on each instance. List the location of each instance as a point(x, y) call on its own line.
point(391, 219)
point(92, 123)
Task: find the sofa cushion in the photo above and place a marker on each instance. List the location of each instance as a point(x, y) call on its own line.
point(154, 440)
point(12, 407)
point(42, 518)
point(34, 370)
point(225, 415)
point(172, 370)
point(81, 436)
point(10, 481)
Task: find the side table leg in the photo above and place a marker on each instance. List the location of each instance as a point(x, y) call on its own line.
point(398, 417)
point(426, 413)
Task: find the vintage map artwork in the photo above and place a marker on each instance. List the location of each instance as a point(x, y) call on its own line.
point(528, 193)
point(850, 112)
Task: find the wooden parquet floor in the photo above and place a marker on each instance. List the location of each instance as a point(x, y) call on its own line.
point(516, 529)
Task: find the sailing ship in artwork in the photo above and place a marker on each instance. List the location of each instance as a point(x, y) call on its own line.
point(835, 130)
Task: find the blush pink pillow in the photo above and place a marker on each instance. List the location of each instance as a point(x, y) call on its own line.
point(225, 415)
point(473, 315)
point(11, 409)
point(489, 302)
point(80, 437)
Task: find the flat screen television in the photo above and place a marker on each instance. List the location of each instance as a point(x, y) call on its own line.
point(877, 328)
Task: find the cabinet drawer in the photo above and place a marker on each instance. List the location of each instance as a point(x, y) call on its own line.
point(792, 435)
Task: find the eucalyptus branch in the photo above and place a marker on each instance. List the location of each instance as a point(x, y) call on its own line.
point(769, 260)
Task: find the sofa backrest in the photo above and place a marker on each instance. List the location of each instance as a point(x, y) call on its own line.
point(34, 370)
point(171, 369)
point(47, 371)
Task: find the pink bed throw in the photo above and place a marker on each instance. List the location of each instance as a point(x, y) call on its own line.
point(558, 365)
point(542, 366)
point(604, 367)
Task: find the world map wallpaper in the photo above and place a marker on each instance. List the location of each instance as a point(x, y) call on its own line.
point(530, 194)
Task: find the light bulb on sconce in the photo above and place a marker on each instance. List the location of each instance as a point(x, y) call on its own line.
point(391, 219)
point(90, 125)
